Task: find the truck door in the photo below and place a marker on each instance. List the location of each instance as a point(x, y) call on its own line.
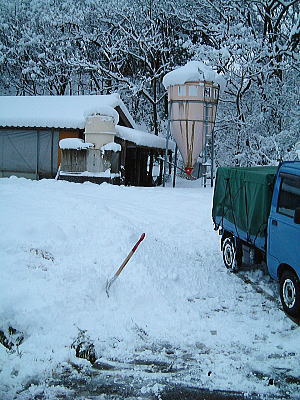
point(283, 232)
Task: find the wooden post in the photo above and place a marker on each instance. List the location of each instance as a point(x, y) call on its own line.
point(161, 170)
point(170, 162)
point(150, 179)
point(51, 152)
point(123, 161)
point(137, 166)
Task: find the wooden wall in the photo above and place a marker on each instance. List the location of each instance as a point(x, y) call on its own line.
point(66, 134)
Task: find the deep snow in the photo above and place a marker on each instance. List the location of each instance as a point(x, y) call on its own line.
point(74, 143)
point(58, 111)
point(60, 242)
point(190, 72)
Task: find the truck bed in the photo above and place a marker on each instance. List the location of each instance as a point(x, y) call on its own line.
point(242, 201)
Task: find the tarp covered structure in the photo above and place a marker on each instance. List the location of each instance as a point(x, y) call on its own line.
point(28, 152)
point(243, 198)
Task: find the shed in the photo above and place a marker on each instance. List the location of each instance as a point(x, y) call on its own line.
point(31, 128)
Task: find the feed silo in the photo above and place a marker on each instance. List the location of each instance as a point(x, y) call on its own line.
point(192, 112)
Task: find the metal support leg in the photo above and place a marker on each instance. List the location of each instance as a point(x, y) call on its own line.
point(212, 159)
point(167, 146)
point(175, 165)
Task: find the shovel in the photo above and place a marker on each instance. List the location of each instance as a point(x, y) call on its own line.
point(111, 281)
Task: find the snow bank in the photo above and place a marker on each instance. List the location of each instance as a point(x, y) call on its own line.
point(142, 138)
point(192, 71)
point(58, 111)
point(74, 143)
point(112, 146)
point(174, 302)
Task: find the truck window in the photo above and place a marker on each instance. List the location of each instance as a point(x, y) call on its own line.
point(289, 196)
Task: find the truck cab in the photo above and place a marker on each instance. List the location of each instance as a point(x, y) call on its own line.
point(283, 239)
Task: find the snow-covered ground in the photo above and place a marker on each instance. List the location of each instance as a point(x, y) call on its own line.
point(174, 303)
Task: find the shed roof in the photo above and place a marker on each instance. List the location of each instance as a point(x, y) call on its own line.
point(142, 138)
point(59, 111)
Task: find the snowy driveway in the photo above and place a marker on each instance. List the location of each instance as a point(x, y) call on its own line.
point(175, 315)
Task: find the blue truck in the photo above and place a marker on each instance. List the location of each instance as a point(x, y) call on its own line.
point(257, 213)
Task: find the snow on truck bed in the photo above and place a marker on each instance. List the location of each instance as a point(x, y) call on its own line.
point(60, 242)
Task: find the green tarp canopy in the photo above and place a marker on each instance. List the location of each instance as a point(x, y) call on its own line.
point(243, 197)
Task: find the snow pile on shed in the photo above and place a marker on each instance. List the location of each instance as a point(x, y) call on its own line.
point(58, 111)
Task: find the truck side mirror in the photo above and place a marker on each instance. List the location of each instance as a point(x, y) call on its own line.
point(297, 215)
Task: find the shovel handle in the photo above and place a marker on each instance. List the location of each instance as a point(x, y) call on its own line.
point(138, 242)
point(130, 254)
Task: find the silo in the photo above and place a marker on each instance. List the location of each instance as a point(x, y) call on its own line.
point(192, 98)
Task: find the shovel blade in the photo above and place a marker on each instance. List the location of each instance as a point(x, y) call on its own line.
point(109, 283)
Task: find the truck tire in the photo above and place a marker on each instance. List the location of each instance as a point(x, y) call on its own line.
point(290, 293)
point(229, 254)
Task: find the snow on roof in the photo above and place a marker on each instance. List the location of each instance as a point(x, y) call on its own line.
point(74, 144)
point(112, 146)
point(190, 72)
point(142, 138)
point(58, 111)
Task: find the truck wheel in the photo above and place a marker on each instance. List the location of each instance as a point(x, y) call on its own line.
point(290, 293)
point(229, 254)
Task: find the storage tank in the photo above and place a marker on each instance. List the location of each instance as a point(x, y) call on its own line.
point(192, 113)
point(193, 93)
point(100, 130)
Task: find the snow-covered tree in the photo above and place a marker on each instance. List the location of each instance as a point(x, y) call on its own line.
point(256, 46)
point(92, 46)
